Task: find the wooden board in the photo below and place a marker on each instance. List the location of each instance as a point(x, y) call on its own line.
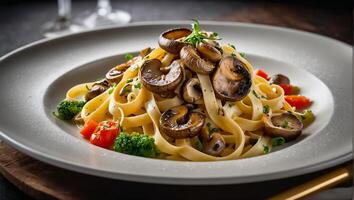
point(43, 181)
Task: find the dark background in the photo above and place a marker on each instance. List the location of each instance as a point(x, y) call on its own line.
point(21, 21)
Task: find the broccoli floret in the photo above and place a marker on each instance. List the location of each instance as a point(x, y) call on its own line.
point(136, 144)
point(66, 110)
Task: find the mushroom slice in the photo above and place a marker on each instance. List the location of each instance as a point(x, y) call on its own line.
point(193, 61)
point(279, 79)
point(231, 81)
point(209, 52)
point(181, 122)
point(285, 125)
point(157, 81)
point(97, 89)
point(168, 39)
point(215, 145)
point(192, 92)
point(115, 75)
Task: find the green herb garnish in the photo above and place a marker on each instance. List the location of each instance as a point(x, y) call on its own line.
point(129, 56)
point(124, 90)
point(138, 85)
point(286, 124)
point(198, 36)
point(110, 90)
point(277, 141)
point(232, 46)
point(198, 145)
point(266, 109)
point(242, 54)
point(255, 94)
point(265, 149)
point(211, 129)
point(130, 80)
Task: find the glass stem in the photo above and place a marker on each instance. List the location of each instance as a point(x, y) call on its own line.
point(64, 10)
point(104, 7)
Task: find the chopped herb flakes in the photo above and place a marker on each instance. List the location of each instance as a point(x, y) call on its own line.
point(124, 90)
point(286, 124)
point(277, 141)
point(138, 85)
point(242, 54)
point(265, 149)
point(129, 56)
point(266, 109)
point(130, 80)
point(232, 46)
point(255, 94)
point(211, 129)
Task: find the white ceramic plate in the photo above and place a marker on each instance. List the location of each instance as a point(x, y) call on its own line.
point(34, 79)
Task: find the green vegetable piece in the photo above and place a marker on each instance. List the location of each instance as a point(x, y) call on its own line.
point(265, 149)
point(307, 117)
point(197, 36)
point(136, 144)
point(138, 85)
point(211, 129)
point(277, 141)
point(66, 110)
point(232, 46)
point(255, 94)
point(129, 56)
point(242, 54)
point(286, 124)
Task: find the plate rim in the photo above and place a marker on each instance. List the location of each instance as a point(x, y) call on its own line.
point(172, 180)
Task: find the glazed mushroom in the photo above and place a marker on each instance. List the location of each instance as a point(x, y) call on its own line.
point(157, 81)
point(115, 75)
point(279, 79)
point(97, 89)
point(192, 92)
point(285, 125)
point(193, 61)
point(209, 52)
point(231, 81)
point(168, 40)
point(215, 145)
point(181, 122)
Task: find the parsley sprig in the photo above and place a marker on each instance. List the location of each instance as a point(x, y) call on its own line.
point(198, 35)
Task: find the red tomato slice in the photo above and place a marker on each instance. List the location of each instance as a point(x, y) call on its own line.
point(298, 101)
point(262, 74)
point(89, 128)
point(105, 135)
point(287, 88)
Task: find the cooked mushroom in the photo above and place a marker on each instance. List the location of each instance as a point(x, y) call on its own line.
point(193, 61)
point(78, 119)
point(192, 92)
point(279, 79)
point(285, 125)
point(168, 39)
point(157, 81)
point(209, 52)
point(115, 75)
point(97, 89)
point(181, 122)
point(231, 81)
point(215, 145)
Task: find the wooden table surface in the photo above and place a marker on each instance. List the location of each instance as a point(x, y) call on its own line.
point(21, 21)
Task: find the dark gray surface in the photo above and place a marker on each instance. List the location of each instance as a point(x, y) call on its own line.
point(20, 23)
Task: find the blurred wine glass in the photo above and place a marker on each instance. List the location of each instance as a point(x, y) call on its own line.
point(63, 24)
point(104, 15)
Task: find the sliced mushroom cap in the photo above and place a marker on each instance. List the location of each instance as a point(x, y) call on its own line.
point(97, 89)
point(279, 79)
point(181, 122)
point(231, 81)
point(215, 145)
point(168, 39)
point(209, 52)
point(193, 61)
point(158, 82)
point(285, 125)
point(192, 92)
point(115, 75)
